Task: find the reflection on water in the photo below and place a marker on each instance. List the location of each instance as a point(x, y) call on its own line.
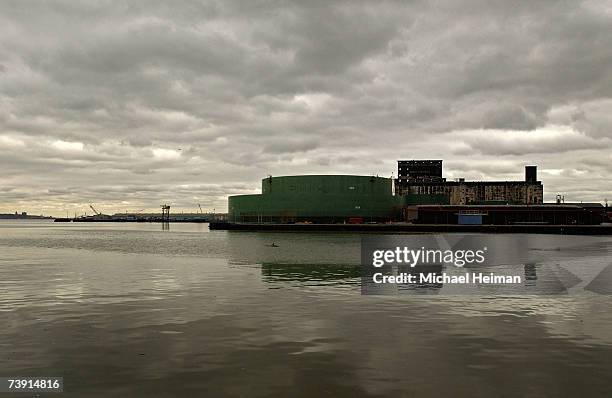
point(531, 274)
point(134, 310)
point(312, 274)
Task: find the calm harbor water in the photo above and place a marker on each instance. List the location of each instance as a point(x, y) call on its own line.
point(135, 310)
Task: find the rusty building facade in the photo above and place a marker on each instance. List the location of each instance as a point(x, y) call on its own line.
point(423, 179)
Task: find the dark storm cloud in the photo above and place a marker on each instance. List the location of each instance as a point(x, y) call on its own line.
point(128, 104)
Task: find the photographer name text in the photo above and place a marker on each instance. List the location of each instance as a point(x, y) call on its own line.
point(433, 277)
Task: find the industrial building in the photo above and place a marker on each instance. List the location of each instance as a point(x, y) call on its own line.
point(420, 194)
point(419, 170)
point(421, 181)
point(318, 199)
point(552, 214)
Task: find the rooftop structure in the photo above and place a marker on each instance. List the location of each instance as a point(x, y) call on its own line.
point(420, 170)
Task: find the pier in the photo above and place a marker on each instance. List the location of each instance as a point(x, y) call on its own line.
point(604, 229)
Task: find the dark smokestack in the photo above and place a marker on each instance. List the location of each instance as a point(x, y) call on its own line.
point(531, 174)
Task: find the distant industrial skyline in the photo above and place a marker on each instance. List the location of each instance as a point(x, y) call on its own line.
point(130, 105)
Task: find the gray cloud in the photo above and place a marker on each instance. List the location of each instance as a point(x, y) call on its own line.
point(130, 104)
point(290, 145)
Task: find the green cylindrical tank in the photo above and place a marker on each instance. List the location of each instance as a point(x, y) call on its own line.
point(318, 198)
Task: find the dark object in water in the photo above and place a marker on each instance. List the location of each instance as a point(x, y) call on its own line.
point(273, 245)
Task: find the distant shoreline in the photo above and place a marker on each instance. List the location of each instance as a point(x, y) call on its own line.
point(22, 217)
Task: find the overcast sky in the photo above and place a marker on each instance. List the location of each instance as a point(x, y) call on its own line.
point(127, 105)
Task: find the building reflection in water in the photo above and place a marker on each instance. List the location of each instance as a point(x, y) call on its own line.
point(531, 275)
point(319, 259)
point(311, 274)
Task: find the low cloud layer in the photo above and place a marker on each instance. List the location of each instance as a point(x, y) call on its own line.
point(129, 105)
